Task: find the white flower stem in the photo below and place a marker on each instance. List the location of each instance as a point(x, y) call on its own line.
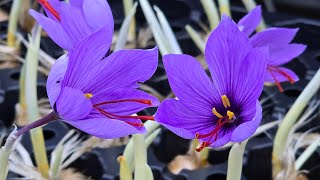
point(4, 158)
point(289, 120)
point(196, 38)
point(168, 32)
point(125, 29)
point(153, 22)
point(57, 162)
point(224, 7)
point(306, 154)
point(211, 11)
point(140, 157)
point(128, 5)
point(5, 152)
point(13, 22)
point(37, 137)
point(235, 161)
point(128, 154)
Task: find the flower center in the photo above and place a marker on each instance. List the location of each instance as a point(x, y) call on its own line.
point(275, 69)
point(213, 135)
point(48, 6)
point(115, 116)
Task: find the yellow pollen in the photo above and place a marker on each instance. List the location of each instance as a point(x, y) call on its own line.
point(225, 101)
point(230, 114)
point(88, 95)
point(216, 113)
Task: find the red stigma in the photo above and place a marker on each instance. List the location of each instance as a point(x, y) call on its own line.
point(142, 101)
point(114, 116)
point(48, 6)
point(273, 69)
point(214, 133)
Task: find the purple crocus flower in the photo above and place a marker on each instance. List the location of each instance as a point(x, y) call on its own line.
point(278, 40)
point(225, 108)
point(68, 23)
point(98, 94)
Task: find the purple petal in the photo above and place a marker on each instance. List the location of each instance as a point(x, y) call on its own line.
point(247, 129)
point(249, 22)
point(55, 77)
point(77, 3)
point(190, 83)
point(74, 22)
point(273, 37)
point(72, 104)
point(281, 77)
point(84, 57)
point(221, 141)
point(98, 14)
point(106, 128)
point(122, 69)
point(54, 30)
point(124, 108)
point(282, 55)
point(225, 52)
point(183, 121)
point(180, 132)
point(247, 82)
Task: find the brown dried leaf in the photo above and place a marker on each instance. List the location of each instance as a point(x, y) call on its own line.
point(7, 57)
point(3, 15)
point(72, 174)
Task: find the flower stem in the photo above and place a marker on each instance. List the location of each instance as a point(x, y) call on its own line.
point(155, 26)
point(56, 162)
point(49, 118)
point(5, 152)
point(128, 6)
point(4, 159)
point(32, 109)
point(235, 161)
point(224, 7)
point(306, 154)
point(196, 38)
point(13, 22)
point(125, 29)
point(211, 11)
point(167, 30)
point(289, 120)
point(140, 157)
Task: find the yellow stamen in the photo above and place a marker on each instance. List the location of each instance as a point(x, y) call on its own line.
point(230, 114)
point(88, 95)
point(225, 101)
point(216, 113)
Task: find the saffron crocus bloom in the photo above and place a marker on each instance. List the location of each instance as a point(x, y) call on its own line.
point(68, 23)
point(98, 95)
point(281, 51)
point(225, 108)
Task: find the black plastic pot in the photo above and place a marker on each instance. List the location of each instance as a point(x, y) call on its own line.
point(9, 93)
point(53, 133)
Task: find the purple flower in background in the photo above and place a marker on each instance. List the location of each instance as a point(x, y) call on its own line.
point(225, 108)
point(281, 51)
point(98, 94)
point(68, 23)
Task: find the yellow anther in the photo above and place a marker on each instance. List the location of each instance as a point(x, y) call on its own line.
point(230, 114)
point(216, 113)
point(88, 95)
point(225, 101)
